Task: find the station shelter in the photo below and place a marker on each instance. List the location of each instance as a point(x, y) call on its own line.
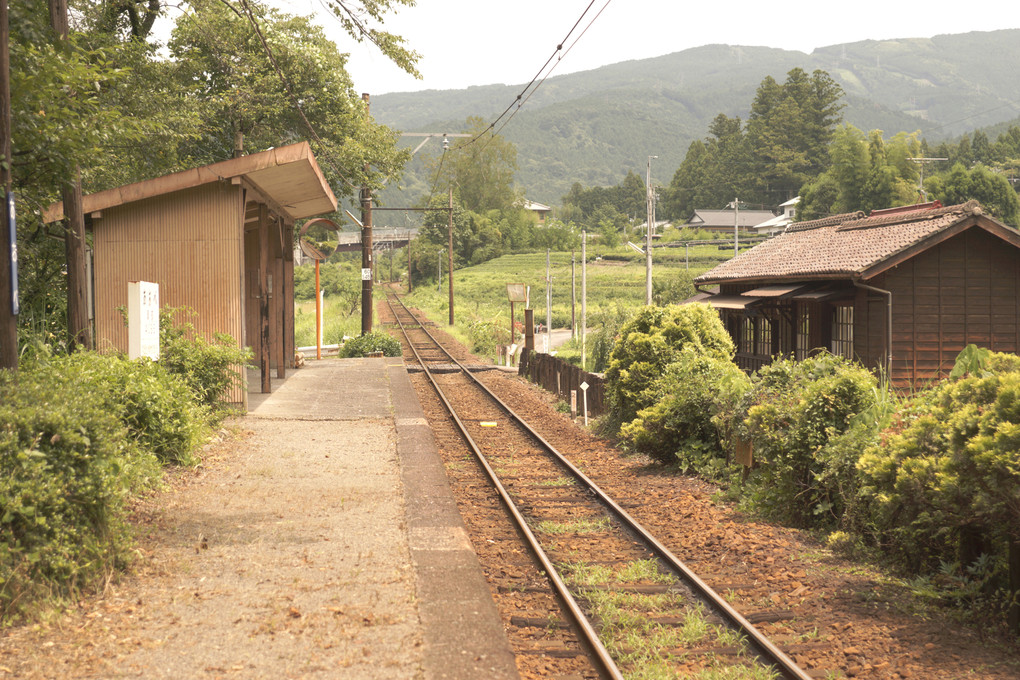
point(218, 240)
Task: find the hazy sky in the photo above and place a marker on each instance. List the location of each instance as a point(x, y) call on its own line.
point(480, 42)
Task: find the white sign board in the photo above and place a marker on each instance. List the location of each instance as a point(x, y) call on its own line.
point(366, 273)
point(143, 320)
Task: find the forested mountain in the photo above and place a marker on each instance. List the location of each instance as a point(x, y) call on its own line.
point(594, 126)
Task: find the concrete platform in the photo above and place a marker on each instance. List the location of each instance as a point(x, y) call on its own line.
point(461, 632)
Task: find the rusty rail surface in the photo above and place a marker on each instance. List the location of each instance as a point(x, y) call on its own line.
point(764, 648)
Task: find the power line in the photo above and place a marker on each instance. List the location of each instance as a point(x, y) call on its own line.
point(250, 16)
point(558, 60)
point(521, 99)
point(439, 171)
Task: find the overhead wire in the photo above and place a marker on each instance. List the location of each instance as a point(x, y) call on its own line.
point(435, 182)
point(519, 101)
point(553, 68)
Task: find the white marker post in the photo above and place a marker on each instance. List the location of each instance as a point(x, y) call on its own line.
point(143, 320)
point(584, 401)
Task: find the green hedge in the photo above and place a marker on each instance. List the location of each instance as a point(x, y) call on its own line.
point(800, 417)
point(649, 342)
point(79, 435)
point(688, 425)
point(210, 369)
point(942, 492)
point(376, 341)
point(932, 479)
point(67, 464)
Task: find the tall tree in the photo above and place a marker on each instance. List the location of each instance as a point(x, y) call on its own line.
point(980, 183)
point(867, 173)
point(789, 131)
point(274, 78)
point(135, 115)
point(713, 172)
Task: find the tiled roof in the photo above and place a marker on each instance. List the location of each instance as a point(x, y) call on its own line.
point(724, 218)
point(839, 247)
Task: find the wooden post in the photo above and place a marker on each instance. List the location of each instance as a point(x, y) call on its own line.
point(318, 315)
point(8, 312)
point(529, 329)
point(280, 303)
point(290, 350)
point(74, 232)
point(366, 249)
point(264, 352)
point(410, 286)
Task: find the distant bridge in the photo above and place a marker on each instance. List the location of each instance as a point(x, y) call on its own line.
point(383, 238)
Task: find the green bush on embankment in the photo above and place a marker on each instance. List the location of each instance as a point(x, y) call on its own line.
point(79, 435)
point(930, 481)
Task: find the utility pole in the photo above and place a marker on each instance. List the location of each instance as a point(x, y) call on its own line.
point(584, 295)
point(650, 206)
point(8, 234)
point(74, 232)
point(548, 303)
point(573, 299)
point(920, 179)
point(366, 249)
point(449, 232)
point(736, 223)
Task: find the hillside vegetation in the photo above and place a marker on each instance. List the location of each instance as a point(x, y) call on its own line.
point(594, 126)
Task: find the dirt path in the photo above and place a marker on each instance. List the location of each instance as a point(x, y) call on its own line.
point(257, 565)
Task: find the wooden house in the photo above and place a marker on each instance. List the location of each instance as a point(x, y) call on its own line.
point(903, 290)
point(217, 239)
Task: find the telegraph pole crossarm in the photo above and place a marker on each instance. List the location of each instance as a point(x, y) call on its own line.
point(920, 179)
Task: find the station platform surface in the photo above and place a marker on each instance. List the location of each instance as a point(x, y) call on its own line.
point(404, 543)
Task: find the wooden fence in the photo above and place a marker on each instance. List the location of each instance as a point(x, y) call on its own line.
point(560, 377)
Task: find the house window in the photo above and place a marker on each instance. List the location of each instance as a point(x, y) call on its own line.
point(843, 331)
point(803, 332)
point(764, 337)
point(746, 343)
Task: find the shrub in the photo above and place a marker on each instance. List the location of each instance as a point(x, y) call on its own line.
point(678, 287)
point(651, 340)
point(376, 341)
point(158, 408)
point(210, 369)
point(799, 416)
point(607, 325)
point(944, 487)
point(485, 335)
point(696, 398)
point(67, 463)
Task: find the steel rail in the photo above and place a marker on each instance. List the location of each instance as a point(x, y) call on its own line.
point(764, 647)
point(600, 655)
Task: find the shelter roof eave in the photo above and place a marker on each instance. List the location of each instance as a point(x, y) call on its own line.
point(288, 175)
point(803, 278)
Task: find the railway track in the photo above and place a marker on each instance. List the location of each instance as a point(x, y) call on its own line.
point(628, 604)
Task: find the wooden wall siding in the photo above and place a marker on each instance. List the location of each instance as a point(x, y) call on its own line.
point(870, 334)
point(187, 243)
point(960, 292)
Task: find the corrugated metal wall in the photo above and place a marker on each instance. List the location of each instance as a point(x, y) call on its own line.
point(190, 243)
